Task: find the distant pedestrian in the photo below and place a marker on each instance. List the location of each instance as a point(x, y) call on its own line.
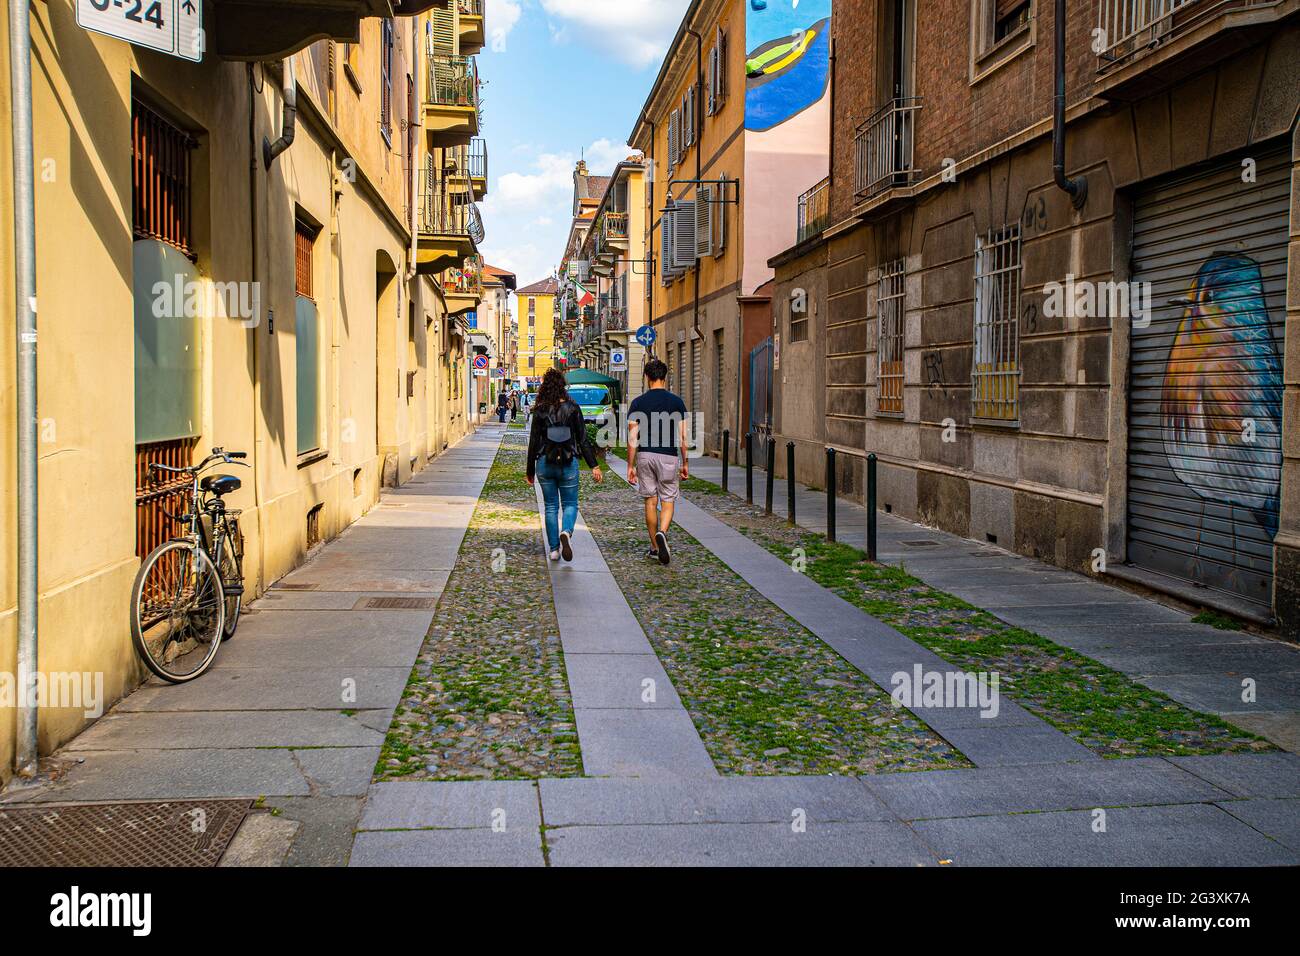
point(557, 438)
point(503, 406)
point(514, 406)
point(656, 454)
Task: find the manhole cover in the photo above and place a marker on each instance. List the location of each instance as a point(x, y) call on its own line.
point(395, 604)
point(921, 544)
point(175, 833)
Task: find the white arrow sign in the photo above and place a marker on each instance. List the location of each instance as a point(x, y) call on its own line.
point(174, 27)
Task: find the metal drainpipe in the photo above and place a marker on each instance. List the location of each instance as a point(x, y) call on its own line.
point(253, 345)
point(20, 72)
point(1077, 187)
point(289, 120)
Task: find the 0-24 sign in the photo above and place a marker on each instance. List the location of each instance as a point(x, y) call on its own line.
point(174, 27)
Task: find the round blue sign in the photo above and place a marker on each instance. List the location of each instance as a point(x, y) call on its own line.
point(646, 335)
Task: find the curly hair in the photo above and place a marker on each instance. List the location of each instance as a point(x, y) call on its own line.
point(656, 370)
point(554, 390)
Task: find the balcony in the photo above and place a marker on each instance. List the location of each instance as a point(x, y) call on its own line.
point(478, 166)
point(884, 148)
point(462, 288)
point(615, 228)
point(449, 229)
point(1144, 45)
point(451, 107)
point(470, 25)
point(814, 210)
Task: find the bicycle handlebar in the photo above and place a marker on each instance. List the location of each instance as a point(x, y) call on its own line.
point(218, 454)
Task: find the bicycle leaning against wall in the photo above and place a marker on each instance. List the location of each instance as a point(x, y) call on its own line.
point(189, 591)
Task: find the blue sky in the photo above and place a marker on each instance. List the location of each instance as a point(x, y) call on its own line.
point(563, 78)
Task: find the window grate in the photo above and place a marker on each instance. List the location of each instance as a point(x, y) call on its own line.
point(153, 501)
point(160, 160)
point(890, 344)
point(995, 366)
point(304, 240)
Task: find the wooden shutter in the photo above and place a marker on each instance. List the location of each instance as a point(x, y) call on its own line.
point(722, 63)
point(666, 265)
point(719, 215)
point(684, 235)
point(704, 222)
point(674, 140)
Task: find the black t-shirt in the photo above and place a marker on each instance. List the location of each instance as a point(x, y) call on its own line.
point(658, 414)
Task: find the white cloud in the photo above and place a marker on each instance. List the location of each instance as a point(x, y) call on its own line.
point(501, 17)
point(636, 31)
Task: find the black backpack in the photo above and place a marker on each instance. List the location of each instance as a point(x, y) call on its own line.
point(558, 444)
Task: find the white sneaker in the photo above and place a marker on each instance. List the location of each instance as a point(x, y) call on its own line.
point(554, 555)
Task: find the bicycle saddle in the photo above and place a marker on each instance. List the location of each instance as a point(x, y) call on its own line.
point(220, 485)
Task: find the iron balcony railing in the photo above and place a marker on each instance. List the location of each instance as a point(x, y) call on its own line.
point(814, 210)
point(467, 280)
point(884, 147)
point(453, 80)
point(478, 158)
point(615, 225)
point(443, 213)
point(1127, 27)
point(470, 8)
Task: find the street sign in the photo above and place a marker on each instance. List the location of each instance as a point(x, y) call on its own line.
point(646, 335)
point(617, 360)
point(174, 27)
point(480, 362)
point(480, 373)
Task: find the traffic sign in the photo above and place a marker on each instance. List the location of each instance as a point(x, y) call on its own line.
point(617, 360)
point(480, 361)
point(646, 335)
point(174, 27)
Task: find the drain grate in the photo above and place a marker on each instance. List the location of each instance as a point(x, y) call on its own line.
point(395, 604)
point(175, 833)
point(921, 544)
point(296, 587)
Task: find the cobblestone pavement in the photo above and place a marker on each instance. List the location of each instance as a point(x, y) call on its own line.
point(766, 696)
point(1101, 708)
point(488, 698)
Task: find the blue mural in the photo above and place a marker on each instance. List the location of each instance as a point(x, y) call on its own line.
point(787, 66)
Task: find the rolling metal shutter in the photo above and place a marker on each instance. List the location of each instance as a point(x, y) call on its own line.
point(1205, 413)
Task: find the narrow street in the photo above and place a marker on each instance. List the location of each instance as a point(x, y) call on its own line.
point(429, 690)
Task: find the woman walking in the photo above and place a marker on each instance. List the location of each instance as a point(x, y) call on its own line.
point(557, 438)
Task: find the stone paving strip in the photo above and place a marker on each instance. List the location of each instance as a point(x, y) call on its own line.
point(1215, 810)
point(488, 697)
point(1101, 708)
point(631, 721)
point(766, 696)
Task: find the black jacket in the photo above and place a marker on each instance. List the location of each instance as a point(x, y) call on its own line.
point(567, 414)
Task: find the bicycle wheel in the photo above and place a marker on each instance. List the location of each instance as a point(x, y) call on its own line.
point(177, 612)
point(231, 571)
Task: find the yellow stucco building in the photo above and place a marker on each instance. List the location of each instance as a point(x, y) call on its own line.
point(197, 289)
point(536, 305)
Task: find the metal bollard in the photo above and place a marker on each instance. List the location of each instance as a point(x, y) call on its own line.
point(789, 481)
point(830, 494)
point(771, 470)
point(726, 455)
point(871, 507)
point(749, 468)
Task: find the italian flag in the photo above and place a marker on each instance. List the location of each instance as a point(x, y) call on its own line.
point(585, 298)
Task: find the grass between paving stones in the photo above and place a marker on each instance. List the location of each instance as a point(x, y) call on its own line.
point(766, 695)
point(1101, 708)
point(488, 697)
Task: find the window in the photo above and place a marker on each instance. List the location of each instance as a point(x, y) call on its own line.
point(719, 364)
point(995, 365)
point(306, 340)
point(386, 82)
point(718, 73)
point(798, 312)
point(352, 65)
point(999, 30)
point(889, 342)
point(674, 140)
point(160, 155)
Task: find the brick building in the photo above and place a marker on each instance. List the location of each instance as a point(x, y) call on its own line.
point(1109, 385)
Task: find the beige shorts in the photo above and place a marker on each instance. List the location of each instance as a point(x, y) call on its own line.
point(658, 476)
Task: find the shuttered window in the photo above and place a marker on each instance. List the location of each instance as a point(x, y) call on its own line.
point(386, 81)
point(306, 342)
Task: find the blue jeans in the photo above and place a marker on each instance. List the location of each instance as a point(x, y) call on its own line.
point(559, 488)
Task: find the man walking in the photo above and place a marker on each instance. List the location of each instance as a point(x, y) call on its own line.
point(656, 454)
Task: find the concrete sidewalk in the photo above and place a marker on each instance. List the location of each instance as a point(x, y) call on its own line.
point(295, 708)
point(1157, 645)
